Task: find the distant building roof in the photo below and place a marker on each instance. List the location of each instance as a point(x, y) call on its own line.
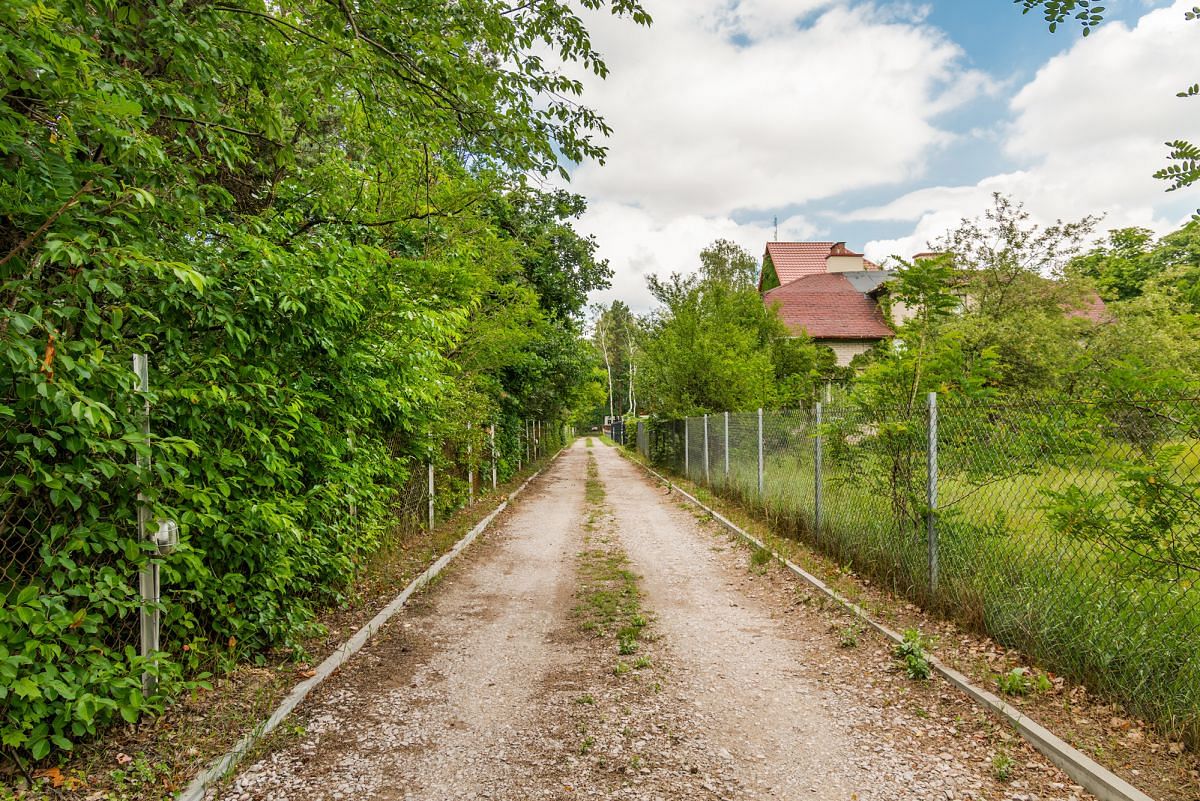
point(829, 306)
point(794, 260)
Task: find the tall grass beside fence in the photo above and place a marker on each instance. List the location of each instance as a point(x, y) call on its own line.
point(1068, 530)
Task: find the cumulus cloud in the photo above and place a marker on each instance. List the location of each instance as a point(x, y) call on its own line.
point(636, 244)
point(726, 106)
point(1088, 130)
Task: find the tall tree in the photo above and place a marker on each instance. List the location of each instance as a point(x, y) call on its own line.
point(615, 333)
point(1019, 299)
point(712, 345)
point(316, 217)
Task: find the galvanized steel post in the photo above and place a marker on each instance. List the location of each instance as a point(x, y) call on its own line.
point(726, 447)
point(760, 453)
point(148, 578)
point(932, 473)
point(706, 449)
point(431, 511)
point(818, 458)
point(470, 468)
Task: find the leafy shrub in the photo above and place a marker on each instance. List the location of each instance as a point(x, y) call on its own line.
point(911, 653)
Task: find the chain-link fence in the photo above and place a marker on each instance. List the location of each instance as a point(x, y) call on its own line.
point(82, 579)
point(39, 511)
point(1068, 530)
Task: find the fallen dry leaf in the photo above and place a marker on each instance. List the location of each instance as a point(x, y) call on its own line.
point(53, 774)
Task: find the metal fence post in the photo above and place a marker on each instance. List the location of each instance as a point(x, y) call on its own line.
point(470, 468)
point(706, 481)
point(760, 453)
point(931, 521)
point(818, 458)
point(686, 447)
point(492, 439)
point(726, 447)
point(528, 442)
point(431, 511)
point(148, 578)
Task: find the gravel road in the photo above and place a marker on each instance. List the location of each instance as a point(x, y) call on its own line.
point(744, 688)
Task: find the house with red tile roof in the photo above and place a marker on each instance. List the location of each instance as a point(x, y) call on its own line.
point(828, 291)
point(831, 293)
point(785, 262)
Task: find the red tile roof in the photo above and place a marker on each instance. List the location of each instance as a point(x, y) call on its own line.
point(794, 260)
point(827, 306)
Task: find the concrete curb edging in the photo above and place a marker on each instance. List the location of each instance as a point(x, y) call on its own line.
point(221, 767)
point(1094, 777)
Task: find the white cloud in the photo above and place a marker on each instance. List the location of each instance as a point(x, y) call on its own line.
point(727, 105)
point(1089, 130)
point(763, 103)
point(637, 245)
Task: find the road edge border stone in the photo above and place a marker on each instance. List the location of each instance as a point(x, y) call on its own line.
point(1094, 777)
point(221, 767)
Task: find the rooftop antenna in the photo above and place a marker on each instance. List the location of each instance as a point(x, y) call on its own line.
point(777, 229)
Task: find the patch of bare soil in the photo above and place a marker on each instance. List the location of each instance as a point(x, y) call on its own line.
point(805, 704)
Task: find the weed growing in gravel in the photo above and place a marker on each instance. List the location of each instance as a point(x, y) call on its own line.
point(1020, 681)
point(913, 654)
point(609, 600)
point(641, 663)
point(760, 558)
point(594, 487)
point(850, 636)
point(589, 442)
point(587, 699)
point(139, 776)
point(586, 745)
point(1002, 766)
point(621, 668)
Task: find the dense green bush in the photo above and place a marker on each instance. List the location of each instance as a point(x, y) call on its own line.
point(315, 220)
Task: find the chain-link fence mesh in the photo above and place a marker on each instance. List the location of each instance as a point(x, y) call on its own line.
point(38, 509)
point(1068, 530)
point(44, 571)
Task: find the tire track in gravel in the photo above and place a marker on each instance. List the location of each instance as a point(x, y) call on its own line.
point(793, 714)
point(445, 702)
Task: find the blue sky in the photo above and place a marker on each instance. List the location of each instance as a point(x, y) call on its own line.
point(877, 123)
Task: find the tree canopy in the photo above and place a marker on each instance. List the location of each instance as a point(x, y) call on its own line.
point(712, 345)
point(321, 222)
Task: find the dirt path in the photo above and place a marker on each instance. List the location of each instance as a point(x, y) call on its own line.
point(444, 704)
point(784, 686)
point(741, 685)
